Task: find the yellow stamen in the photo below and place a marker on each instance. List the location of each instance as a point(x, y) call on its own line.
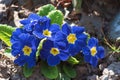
point(47, 33)
point(71, 38)
point(54, 51)
point(27, 50)
point(93, 51)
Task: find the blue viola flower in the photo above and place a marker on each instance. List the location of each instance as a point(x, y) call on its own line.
point(25, 50)
point(34, 20)
point(92, 52)
point(47, 31)
point(53, 54)
point(72, 38)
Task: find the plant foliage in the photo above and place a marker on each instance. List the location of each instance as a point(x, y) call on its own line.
point(5, 33)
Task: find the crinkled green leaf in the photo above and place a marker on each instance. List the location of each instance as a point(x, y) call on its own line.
point(73, 60)
point(40, 47)
point(69, 71)
point(5, 33)
point(88, 36)
point(63, 76)
point(44, 10)
point(48, 71)
point(56, 16)
point(27, 71)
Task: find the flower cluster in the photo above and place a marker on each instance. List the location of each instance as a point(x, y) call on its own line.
point(60, 43)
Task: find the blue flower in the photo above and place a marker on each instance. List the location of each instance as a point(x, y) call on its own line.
point(34, 20)
point(16, 33)
point(47, 31)
point(24, 48)
point(92, 52)
point(53, 54)
point(72, 38)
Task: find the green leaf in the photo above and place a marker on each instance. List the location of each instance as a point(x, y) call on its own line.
point(8, 54)
point(40, 47)
point(27, 71)
point(73, 60)
point(48, 71)
point(8, 50)
point(44, 10)
point(88, 36)
point(56, 16)
point(69, 71)
point(5, 33)
point(63, 76)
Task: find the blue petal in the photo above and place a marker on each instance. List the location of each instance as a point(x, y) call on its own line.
point(15, 35)
point(48, 44)
point(77, 47)
point(53, 60)
point(73, 49)
point(32, 38)
point(60, 40)
point(82, 37)
point(24, 37)
point(77, 30)
point(54, 28)
point(63, 56)
point(39, 35)
point(34, 16)
point(44, 54)
point(38, 31)
point(44, 22)
point(15, 52)
point(34, 43)
point(17, 32)
point(31, 62)
point(21, 60)
point(86, 51)
point(101, 52)
point(80, 43)
point(27, 39)
point(92, 42)
point(17, 46)
point(28, 27)
point(60, 45)
point(87, 58)
point(25, 21)
point(60, 36)
point(34, 49)
point(39, 28)
point(66, 29)
point(94, 61)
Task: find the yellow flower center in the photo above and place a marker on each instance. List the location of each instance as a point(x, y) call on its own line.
point(27, 50)
point(54, 51)
point(93, 51)
point(47, 33)
point(71, 38)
